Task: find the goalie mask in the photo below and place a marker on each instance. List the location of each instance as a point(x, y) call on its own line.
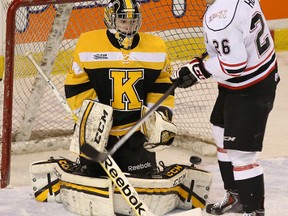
point(123, 19)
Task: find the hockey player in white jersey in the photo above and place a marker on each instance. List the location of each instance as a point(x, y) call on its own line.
point(243, 62)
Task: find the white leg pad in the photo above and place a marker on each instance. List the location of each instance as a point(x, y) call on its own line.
point(186, 189)
point(198, 182)
point(178, 187)
point(160, 195)
point(79, 194)
point(45, 183)
point(87, 196)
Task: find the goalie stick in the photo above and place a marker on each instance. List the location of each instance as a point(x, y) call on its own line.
point(52, 86)
point(101, 156)
point(109, 165)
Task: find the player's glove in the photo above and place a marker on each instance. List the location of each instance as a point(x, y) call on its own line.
point(158, 129)
point(189, 74)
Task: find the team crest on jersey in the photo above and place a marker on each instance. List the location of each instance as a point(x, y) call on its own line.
point(220, 14)
point(124, 91)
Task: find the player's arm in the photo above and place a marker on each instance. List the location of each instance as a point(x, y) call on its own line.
point(163, 82)
point(230, 61)
point(227, 57)
point(227, 49)
point(159, 128)
point(77, 85)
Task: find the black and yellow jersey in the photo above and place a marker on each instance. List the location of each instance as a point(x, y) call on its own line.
point(124, 79)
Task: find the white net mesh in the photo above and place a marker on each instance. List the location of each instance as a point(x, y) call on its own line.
point(41, 29)
point(46, 117)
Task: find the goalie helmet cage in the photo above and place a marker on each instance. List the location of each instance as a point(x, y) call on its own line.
point(33, 119)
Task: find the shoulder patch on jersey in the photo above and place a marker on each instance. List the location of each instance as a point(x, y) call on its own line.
point(221, 14)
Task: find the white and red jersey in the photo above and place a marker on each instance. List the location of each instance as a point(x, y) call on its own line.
point(239, 43)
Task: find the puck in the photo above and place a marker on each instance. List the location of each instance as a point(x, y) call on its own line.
point(195, 160)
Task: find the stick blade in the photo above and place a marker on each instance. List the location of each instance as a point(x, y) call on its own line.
point(92, 154)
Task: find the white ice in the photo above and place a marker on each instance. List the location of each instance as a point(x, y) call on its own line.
point(17, 199)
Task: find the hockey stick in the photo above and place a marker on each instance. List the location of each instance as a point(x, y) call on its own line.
point(109, 165)
point(54, 40)
point(52, 86)
point(101, 156)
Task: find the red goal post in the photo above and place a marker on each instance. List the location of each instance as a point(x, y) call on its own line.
point(32, 116)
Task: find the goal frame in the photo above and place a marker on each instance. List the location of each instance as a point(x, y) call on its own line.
point(180, 51)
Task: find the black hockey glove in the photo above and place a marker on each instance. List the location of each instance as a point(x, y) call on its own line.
point(189, 74)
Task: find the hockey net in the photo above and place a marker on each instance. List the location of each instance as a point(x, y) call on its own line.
point(34, 119)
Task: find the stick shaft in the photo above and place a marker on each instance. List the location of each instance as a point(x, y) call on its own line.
point(61, 99)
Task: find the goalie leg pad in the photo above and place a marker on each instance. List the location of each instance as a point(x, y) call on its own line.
point(160, 193)
point(178, 186)
point(45, 182)
point(197, 185)
point(87, 195)
point(53, 180)
point(93, 126)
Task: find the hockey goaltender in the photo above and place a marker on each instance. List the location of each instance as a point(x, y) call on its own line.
point(130, 182)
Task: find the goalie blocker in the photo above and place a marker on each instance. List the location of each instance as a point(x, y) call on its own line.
point(175, 186)
point(93, 126)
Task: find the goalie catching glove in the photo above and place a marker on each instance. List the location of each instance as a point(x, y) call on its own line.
point(158, 129)
point(189, 74)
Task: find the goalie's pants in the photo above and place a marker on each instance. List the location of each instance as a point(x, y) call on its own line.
point(243, 113)
point(131, 157)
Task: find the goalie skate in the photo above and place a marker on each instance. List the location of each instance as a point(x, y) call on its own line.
point(230, 204)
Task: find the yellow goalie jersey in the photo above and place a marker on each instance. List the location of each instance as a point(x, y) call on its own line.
point(123, 79)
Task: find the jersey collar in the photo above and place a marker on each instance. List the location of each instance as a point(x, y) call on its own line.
point(115, 43)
